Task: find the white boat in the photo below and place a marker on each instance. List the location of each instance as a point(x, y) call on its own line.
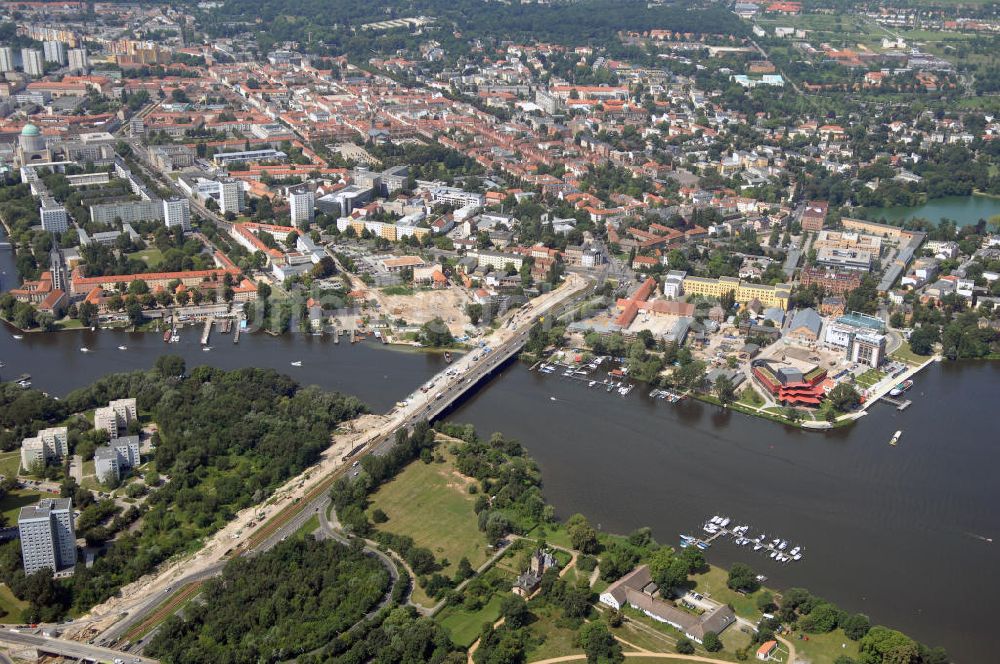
point(297, 363)
point(123, 348)
point(895, 438)
point(725, 522)
point(18, 336)
point(84, 349)
point(797, 556)
point(782, 545)
point(794, 551)
point(774, 554)
point(592, 383)
point(206, 348)
point(552, 398)
point(758, 546)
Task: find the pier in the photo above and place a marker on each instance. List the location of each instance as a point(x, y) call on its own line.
point(236, 334)
point(207, 330)
point(900, 404)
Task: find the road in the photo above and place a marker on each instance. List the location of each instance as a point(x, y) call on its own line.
point(461, 376)
point(69, 648)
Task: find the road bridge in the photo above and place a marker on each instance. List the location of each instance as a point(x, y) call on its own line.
point(44, 645)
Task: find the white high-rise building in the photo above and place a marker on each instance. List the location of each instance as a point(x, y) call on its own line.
point(48, 444)
point(116, 415)
point(303, 207)
point(110, 460)
point(177, 212)
point(230, 196)
point(47, 536)
point(54, 51)
point(53, 216)
point(78, 60)
point(31, 60)
point(6, 59)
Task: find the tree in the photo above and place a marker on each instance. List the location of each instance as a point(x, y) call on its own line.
point(685, 646)
point(475, 312)
point(711, 642)
point(742, 578)
point(582, 535)
point(514, 611)
point(170, 366)
point(599, 645)
point(923, 338)
point(435, 333)
point(856, 626)
point(725, 390)
point(765, 602)
point(844, 397)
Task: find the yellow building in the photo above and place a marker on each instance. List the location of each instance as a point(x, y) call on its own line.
point(744, 291)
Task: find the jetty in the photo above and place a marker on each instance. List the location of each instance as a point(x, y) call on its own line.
point(207, 330)
point(900, 404)
point(236, 334)
point(336, 335)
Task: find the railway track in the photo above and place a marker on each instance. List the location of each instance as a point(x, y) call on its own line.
point(164, 611)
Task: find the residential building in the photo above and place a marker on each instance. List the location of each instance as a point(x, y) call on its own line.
point(119, 455)
point(6, 59)
point(638, 590)
point(673, 284)
point(831, 280)
point(128, 212)
point(303, 207)
point(47, 444)
point(497, 260)
point(743, 291)
point(265, 154)
point(78, 60)
point(230, 196)
point(845, 259)
point(528, 582)
point(47, 536)
point(31, 61)
point(814, 216)
point(177, 213)
point(115, 416)
point(54, 51)
point(53, 216)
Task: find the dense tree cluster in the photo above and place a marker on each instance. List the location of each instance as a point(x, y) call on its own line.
point(290, 600)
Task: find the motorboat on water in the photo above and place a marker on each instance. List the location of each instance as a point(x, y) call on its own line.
point(900, 388)
point(84, 349)
point(123, 348)
point(206, 348)
point(895, 438)
point(552, 399)
point(18, 336)
point(297, 363)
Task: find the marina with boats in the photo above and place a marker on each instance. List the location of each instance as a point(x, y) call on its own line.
point(589, 375)
point(777, 549)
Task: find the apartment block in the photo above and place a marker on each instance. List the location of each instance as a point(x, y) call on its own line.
point(48, 539)
point(48, 444)
point(119, 455)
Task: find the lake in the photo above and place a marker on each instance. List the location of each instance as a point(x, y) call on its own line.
point(964, 210)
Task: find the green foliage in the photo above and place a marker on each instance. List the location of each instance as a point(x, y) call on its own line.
point(301, 594)
point(685, 646)
point(599, 644)
point(711, 642)
point(435, 333)
point(742, 578)
point(582, 535)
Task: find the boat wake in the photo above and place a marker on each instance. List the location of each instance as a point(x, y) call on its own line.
point(988, 540)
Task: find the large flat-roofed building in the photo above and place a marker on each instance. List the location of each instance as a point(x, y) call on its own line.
point(743, 291)
point(265, 154)
point(302, 207)
point(128, 212)
point(110, 460)
point(830, 280)
point(844, 259)
point(47, 536)
point(848, 240)
point(118, 414)
point(48, 444)
point(177, 213)
point(496, 260)
point(53, 216)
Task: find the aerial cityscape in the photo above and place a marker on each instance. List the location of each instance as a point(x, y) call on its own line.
point(499, 331)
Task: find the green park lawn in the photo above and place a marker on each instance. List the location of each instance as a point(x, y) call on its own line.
point(463, 626)
point(150, 256)
point(548, 638)
point(713, 584)
point(824, 648)
point(431, 503)
point(15, 500)
point(307, 528)
point(904, 354)
point(10, 463)
point(10, 606)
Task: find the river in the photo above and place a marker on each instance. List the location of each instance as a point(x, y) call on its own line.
point(896, 533)
point(963, 210)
